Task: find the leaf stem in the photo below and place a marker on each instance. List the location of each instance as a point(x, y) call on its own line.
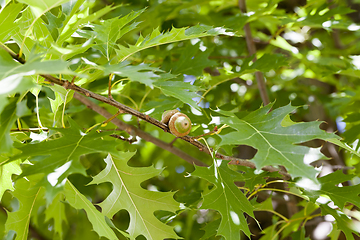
point(37, 110)
point(273, 212)
point(143, 99)
point(63, 111)
point(275, 190)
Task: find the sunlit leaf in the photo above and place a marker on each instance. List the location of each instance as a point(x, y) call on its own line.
point(7, 20)
point(344, 223)
point(140, 203)
point(11, 112)
point(110, 30)
point(56, 211)
point(47, 156)
point(40, 7)
point(227, 199)
point(183, 91)
point(157, 38)
point(340, 195)
point(97, 219)
point(6, 172)
point(191, 62)
point(276, 145)
point(140, 73)
point(27, 193)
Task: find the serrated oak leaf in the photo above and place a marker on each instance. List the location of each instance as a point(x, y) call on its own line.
point(156, 38)
point(48, 155)
point(142, 73)
point(8, 67)
point(29, 195)
point(276, 143)
point(340, 195)
point(7, 118)
point(183, 91)
point(227, 199)
point(56, 211)
point(97, 219)
point(192, 61)
point(6, 172)
point(40, 7)
point(129, 195)
point(111, 30)
point(343, 222)
point(8, 15)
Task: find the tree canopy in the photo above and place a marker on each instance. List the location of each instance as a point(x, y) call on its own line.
point(271, 88)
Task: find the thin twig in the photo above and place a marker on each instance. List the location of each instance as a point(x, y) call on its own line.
point(129, 140)
point(208, 133)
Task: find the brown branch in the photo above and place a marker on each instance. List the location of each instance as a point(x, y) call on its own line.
point(138, 132)
point(135, 131)
point(252, 51)
point(147, 137)
point(129, 140)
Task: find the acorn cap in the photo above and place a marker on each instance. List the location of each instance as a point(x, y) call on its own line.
point(165, 118)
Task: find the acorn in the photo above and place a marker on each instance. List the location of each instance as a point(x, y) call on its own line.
point(165, 118)
point(179, 123)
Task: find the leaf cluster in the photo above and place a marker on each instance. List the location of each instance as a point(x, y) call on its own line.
point(248, 170)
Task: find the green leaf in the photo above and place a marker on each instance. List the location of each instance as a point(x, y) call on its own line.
point(28, 193)
point(264, 206)
point(28, 24)
point(191, 62)
point(54, 24)
point(49, 155)
point(69, 27)
point(299, 235)
point(183, 91)
point(344, 223)
point(210, 229)
point(11, 112)
point(40, 7)
point(6, 172)
point(299, 218)
point(97, 219)
point(227, 199)
point(345, 146)
point(111, 30)
point(8, 67)
point(142, 73)
point(65, 53)
point(276, 144)
point(8, 15)
point(316, 19)
point(161, 104)
point(157, 38)
point(56, 211)
point(340, 195)
point(252, 179)
point(12, 84)
point(7, 119)
point(140, 203)
point(269, 61)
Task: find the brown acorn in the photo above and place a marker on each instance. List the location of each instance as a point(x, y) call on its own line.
point(180, 124)
point(165, 118)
